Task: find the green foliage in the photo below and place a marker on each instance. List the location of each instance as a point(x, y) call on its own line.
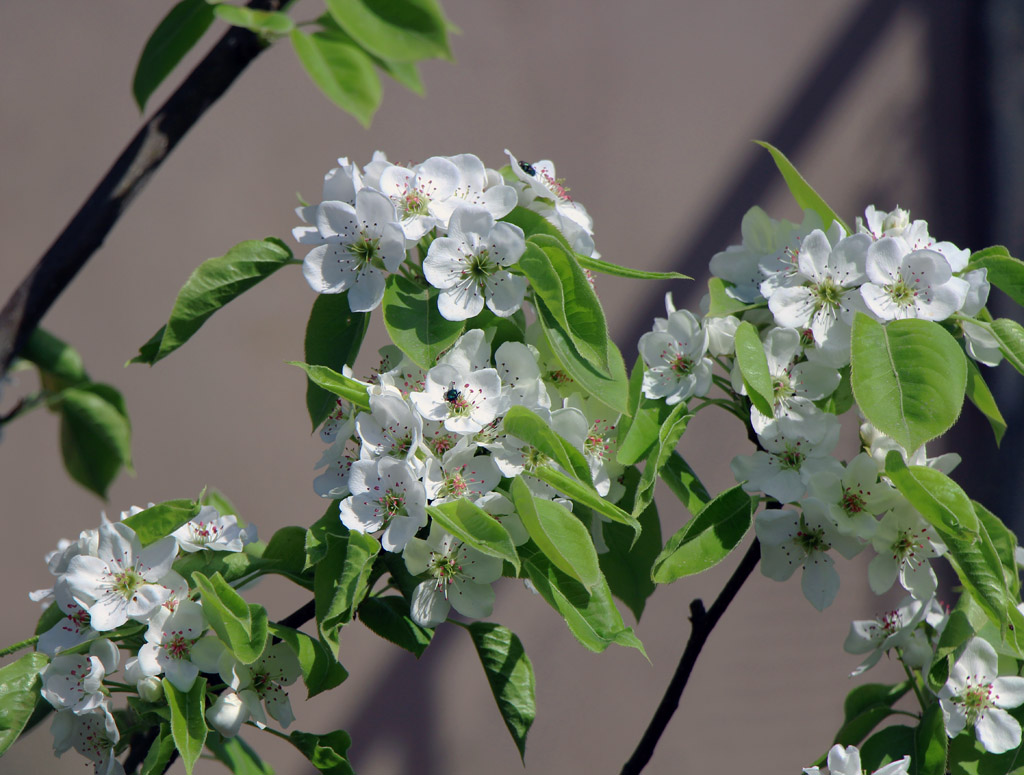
point(95, 434)
point(607, 267)
point(510, 676)
point(388, 617)
point(260, 22)
point(333, 336)
point(320, 670)
point(337, 384)
point(242, 626)
point(401, 32)
point(475, 527)
point(707, 539)
point(684, 483)
point(341, 70)
point(213, 284)
point(558, 534)
point(1004, 271)
point(806, 197)
point(174, 37)
point(865, 707)
point(979, 395)
point(188, 720)
point(909, 378)
point(59, 364)
point(19, 693)
point(668, 437)
point(754, 367)
point(721, 303)
point(414, 323)
point(152, 524)
point(158, 758)
point(325, 752)
point(528, 426)
point(341, 580)
point(583, 493)
point(1010, 336)
point(236, 755)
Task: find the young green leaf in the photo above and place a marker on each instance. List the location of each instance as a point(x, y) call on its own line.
point(320, 670)
point(668, 437)
point(260, 22)
point(242, 626)
point(1005, 542)
point(627, 563)
point(707, 539)
point(753, 364)
point(612, 392)
point(336, 384)
point(174, 37)
point(414, 322)
point(982, 398)
point(721, 303)
point(152, 524)
point(388, 617)
point(213, 284)
point(607, 267)
point(158, 759)
point(235, 754)
point(95, 434)
point(510, 676)
point(806, 197)
point(341, 581)
point(591, 616)
point(686, 485)
point(527, 425)
point(341, 70)
point(558, 534)
point(325, 752)
point(1004, 271)
point(586, 495)
point(909, 378)
point(333, 336)
point(19, 692)
point(475, 527)
point(1010, 335)
point(938, 498)
point(403, 32)
point(59, 363)
point(188, 722)
point(865, 707)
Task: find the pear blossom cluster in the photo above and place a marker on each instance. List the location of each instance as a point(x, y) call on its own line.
point(448, 211)
point(107, 583)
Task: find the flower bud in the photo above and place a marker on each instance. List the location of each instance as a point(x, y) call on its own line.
point(150, 689)
point(227, 714)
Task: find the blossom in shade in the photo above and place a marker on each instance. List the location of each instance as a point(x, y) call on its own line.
point(846, 761)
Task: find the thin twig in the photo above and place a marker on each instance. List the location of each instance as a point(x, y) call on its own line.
point(132, 170)
point(703, 623)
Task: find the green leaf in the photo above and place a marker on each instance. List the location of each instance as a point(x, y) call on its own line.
point(668, 437)
point(681, 479)
point(336, 384)
point(806, 197)
point(1004, 271)
point(612, 392)
point(976, 562)
point(161, 520)
point(260, 22)
point(721, 303)
point(320, 670)
point(325, 752)
point(591, 616)
point(213, 284)
point(475, 527)
point(236, 755)
point(188, 724)
point(533, 223)
point(1005, 542)
point(341, 581)
point(558, 534)
point(909, 378)
point(939, 499)
point(841, 400)
point(753, 364)
point(19, 691)
point(388, 617)
point(95, 435)
point(889, 745)
point(242, 626)
point(333, 336)
point(982, 398)
point(414, 323)
point(707, 539)
point(341, 70)
point(607, 267)
point(174, 37)
point(160, 752)
point(967, 756)
point(586, 495)
point(963, 623)
point(929, 757)
point(1010, 336)
point(510, 676)
point(528, 426)
point(316, 535)
point(287, 548)
point(59, 363)
point(403, 32)
point(627, 563)
point(638, 432)
point(560, 285)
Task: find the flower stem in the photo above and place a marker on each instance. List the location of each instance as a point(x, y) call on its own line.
point(912, 678)
point(19, 646)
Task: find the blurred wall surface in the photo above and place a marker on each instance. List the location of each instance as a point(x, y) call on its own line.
point(648, 110)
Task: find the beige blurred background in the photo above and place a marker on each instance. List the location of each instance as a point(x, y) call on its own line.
point(648, 110)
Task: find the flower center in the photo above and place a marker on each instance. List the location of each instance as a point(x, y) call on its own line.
point(392, 503)
point(901, 294)
point(480, 266)
point(127, 582)
point(455, 485)
point(681, 365)
point(852, 503)
point(415, 203)
point(827, 293)
point(811, 540)
point(202, 533)
point(177, 645)
point(791, 458)
point(364, 250)
point(533, 457)
point(975, 700)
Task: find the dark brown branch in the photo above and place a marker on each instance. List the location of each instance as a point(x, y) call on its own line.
point(132, 170)
point(703, 623)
